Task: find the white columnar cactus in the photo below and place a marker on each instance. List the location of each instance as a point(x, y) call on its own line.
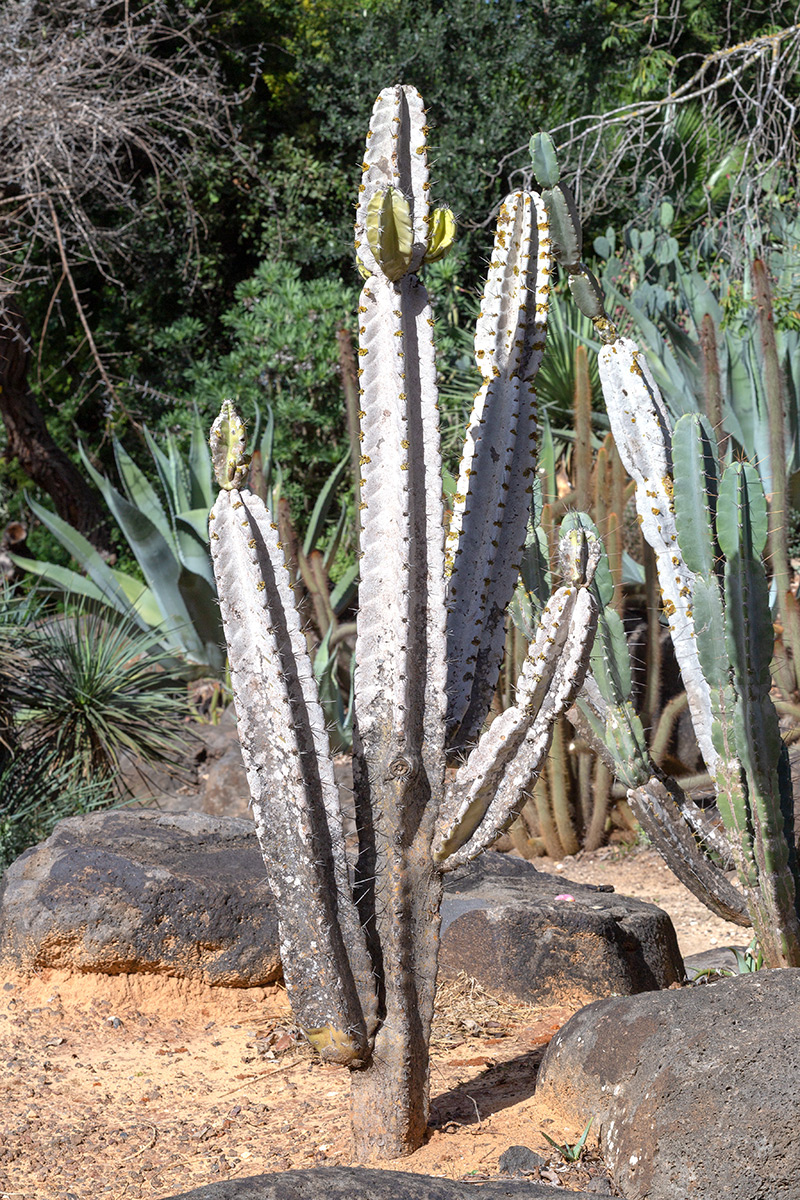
point(360, 955)
point(643, 436)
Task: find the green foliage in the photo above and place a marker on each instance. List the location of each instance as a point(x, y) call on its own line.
point(35, 793)
point(283, 353)
point(700, 331)
point(748, 961)
point(168, 537)
point(78, 695)
point(167, 533)
point(570, 1152)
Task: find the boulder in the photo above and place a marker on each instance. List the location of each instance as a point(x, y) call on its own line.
point(363, 1183)
point(181, 894)
point(211, 778)
point(185, 894)
point(222, 787)
point(694, 1093)
point(541, 938)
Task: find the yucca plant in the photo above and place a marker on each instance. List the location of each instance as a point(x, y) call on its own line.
point(79, 693)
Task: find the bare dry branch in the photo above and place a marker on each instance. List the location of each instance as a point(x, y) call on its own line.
point(747, 92)
point(95, 96)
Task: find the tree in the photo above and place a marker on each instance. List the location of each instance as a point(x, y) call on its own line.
point(99, 103)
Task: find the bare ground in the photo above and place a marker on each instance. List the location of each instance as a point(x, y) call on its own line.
point(144, 1086)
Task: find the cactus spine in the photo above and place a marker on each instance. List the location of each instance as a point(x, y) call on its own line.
point(360, 951)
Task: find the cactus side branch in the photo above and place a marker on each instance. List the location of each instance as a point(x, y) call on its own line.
point(492, 501)
point(290, 771)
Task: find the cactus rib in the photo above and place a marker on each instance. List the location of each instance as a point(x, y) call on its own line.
point(488, 528)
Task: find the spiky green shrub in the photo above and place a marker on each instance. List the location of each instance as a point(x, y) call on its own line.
point(80, 695)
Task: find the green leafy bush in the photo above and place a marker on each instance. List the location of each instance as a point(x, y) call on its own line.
point(284, 354)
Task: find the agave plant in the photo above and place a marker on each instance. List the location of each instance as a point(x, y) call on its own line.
point(167, 537)
point(167, 532)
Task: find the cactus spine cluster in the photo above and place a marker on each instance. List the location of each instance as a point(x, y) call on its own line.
point(708, 537)
point(359, 926)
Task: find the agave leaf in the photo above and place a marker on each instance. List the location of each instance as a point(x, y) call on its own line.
point(61, 577)
point(336, 540)
point(320, 510)
point(200, 598)
point(197, 520)
point(345, 590)
point(84, 553)
point(178, 492)
point(266, 446)
point(159, 457)
point(192, 541)
point(169, 580)
point(201, 474)
point(190, 545)
point(141, 597)
point(138, 489)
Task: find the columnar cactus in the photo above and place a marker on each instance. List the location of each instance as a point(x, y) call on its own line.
point(359, 927)
point(718, 612)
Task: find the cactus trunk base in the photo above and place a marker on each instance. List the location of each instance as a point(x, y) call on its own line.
point(390, 1097)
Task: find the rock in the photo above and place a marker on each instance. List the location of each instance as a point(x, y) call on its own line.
point(509, 926)
point(519, 1160)
point(185, 894)
point(695, 1093)
point(136, 891)
point(363, 1183)
point(212, 778)
point(222, 787)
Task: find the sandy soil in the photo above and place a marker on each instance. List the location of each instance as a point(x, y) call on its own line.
point(142, 1086)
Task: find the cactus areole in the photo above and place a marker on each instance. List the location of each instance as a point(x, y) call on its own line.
point(360, 922)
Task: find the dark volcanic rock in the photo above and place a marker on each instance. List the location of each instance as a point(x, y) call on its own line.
point(508, 925)
point(362, 1183)
point(180, 894)
point(695, 1093)
point(519, 1160)
point(211, 779)
point(185, 894)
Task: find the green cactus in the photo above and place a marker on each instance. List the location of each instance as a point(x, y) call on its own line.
point(360, 956)
point(720, 622)
point(725, 668)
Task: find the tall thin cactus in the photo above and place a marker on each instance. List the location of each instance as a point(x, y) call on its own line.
point(360, 925)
